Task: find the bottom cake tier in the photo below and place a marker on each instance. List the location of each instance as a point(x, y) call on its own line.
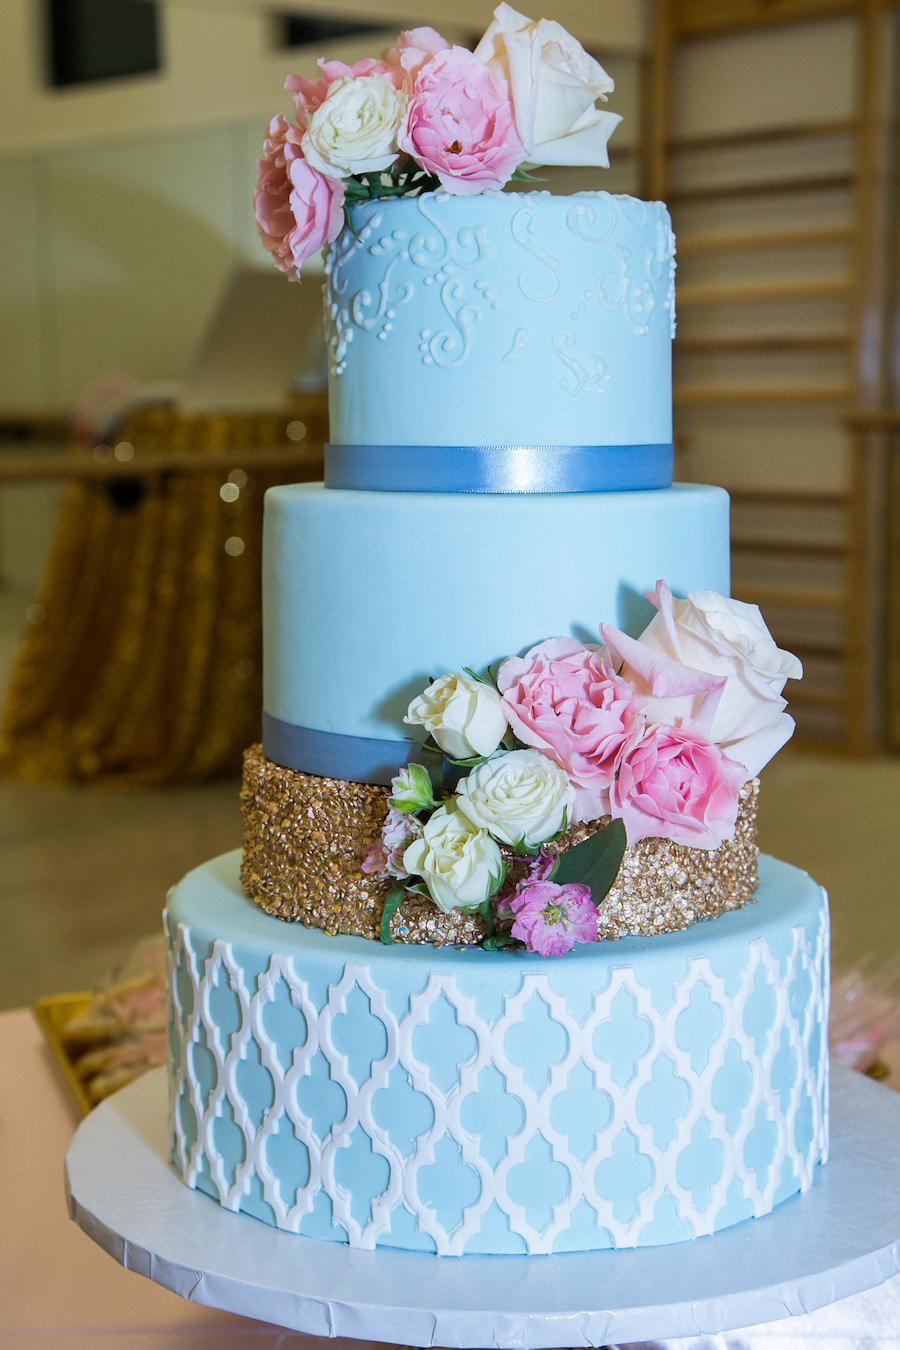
point(631, 1093)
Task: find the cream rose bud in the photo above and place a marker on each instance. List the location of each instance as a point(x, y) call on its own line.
point(464, 716)
point(721, 636)
point(521, 798)
point(354, 129)
point(555, 86)
point(460, 864)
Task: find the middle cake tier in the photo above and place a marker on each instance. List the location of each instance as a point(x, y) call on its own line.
point(366, 595)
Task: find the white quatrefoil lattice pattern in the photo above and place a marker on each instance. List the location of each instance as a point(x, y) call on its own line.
point(559, 1120)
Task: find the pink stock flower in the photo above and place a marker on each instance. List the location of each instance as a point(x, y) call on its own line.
point(385, 856)
point(675, 784)
point(566, 699)
point(460, 125)
point(414, 49)
point(550, 919)
point(297, 209)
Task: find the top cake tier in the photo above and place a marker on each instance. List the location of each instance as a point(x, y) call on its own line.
point(503, 319)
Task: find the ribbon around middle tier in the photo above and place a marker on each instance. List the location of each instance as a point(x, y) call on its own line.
point(330, 754)
point(502, 469)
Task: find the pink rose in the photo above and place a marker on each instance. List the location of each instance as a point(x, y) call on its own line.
point(677, 785)
point(550, 919)
point(566, 699)
point(297, 209)
point(460, 125)
point(414, 49)
point(271, 198)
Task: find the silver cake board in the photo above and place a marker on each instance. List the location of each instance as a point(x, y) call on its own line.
point(841, 1237)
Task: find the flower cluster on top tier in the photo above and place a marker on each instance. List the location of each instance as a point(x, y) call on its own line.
point(425, 115)
point(658, 733)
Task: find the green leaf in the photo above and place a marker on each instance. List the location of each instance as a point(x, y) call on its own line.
point(595, 862)
point(497, 942)
point(391, 904)
point(521, 175)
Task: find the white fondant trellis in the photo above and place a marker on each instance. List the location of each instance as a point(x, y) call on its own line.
point(231, 1180)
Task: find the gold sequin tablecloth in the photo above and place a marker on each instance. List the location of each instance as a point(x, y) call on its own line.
point(144, 663)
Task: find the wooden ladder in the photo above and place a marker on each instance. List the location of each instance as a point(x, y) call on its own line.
point(784, 243)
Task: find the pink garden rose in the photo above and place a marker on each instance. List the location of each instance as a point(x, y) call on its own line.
point(414, 49)
point(550, 919)
point(460, 125)
point(566, 699)
point(297, 209)
point(271, 198)
point(676, 784)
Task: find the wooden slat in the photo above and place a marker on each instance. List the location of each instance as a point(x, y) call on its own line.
point(784, 131)
point(697, 394)
point(737, 241)
point(819, 650)
point(807, 696)
point(792, 597)
point(772, 342)
point(801, 548)
point(762, 292)
point(787, 497)
point(700, 18)
point(766, 187)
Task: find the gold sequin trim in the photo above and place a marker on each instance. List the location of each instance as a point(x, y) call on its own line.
point(305, 839)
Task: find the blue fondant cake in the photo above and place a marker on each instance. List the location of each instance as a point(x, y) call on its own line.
point(631, 1093)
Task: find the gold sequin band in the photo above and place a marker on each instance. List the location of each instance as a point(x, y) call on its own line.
point(305, 840)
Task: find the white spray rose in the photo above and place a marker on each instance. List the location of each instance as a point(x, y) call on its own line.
point(464, 716)
point(521, 798)
point(555, 86)
point(460, 864)
point(720, 636)
point(354, 130)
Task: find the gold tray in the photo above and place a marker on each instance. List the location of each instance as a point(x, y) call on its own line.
point(52, 1013)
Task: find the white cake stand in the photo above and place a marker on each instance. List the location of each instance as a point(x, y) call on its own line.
point(840, 1238)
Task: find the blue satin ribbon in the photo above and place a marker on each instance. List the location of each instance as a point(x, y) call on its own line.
point(329, 754)
point(498, 468)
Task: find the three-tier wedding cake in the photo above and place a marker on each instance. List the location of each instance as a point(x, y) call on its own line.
point(498, 969)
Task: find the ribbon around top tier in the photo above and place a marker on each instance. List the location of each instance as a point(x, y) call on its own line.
point(331, 754)
point(503, 469)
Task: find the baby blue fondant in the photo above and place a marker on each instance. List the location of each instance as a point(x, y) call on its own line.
point(699, 1026)
point(663, 1101)
point(502, 319)
point(368, 595)
point(494, 1102)
point(623, 1039)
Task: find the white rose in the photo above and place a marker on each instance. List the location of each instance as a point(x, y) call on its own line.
point(464, 716)
point(460, 864)
point(555, 86)
point(354, 130)
point(521, 798)
point(719, 636)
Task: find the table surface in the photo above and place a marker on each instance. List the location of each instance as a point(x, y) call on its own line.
point(59, 1290)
